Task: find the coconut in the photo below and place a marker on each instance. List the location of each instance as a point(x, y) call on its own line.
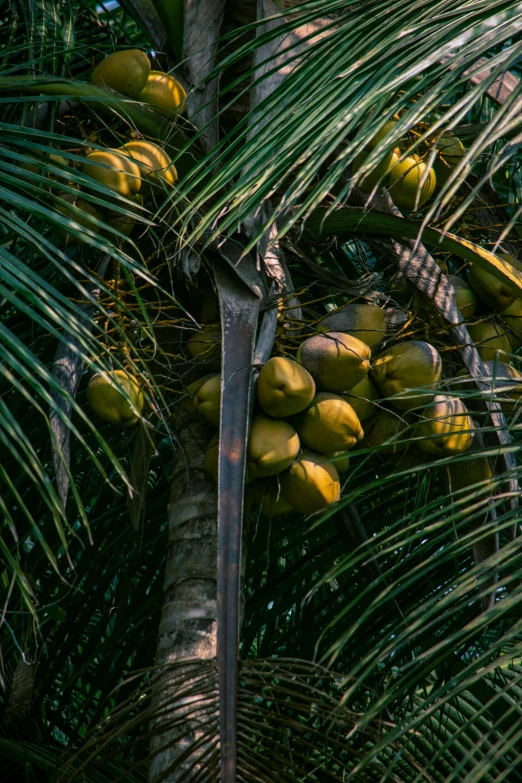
point(284, 387)
point(273, 445)
point(366, 322)
point(207, 400)
point(163, 92)
point(113, 170)
point(336, 361)
point(465, 473)
point(491, 339)
point(154, 163)
point(405, 183)
point(446, 427)
point(385, 431)
point(451, 151)
point(329, 424)
point(126, 72)
point(205, 345)
point(116, 397)
point(311, 484)
point(362, 398)
point(407, 365)
point(493, 292)
point(341, 460)
point(512, 318)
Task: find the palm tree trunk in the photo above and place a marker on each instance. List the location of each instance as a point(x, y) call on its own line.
point(188, 620)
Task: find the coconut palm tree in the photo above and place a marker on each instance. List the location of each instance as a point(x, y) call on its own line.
point(156, 625)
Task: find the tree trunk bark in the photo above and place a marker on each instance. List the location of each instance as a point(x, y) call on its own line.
point(187, 633)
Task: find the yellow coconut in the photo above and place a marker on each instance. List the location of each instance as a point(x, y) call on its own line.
point(155, 165)
point(450, 153)
point(207, 400)
point(329, 424)
point(163, 92)
point(205, 345)
point(273, 445)
point(113, 170)
point(126, 72)
point(446, 427)
point(284, 387)
point(270, 498)
point(386, 431)
point(408, 365)
point(362, 398)
point(491, 340)
point(336, 361)
point(491, 290)
point(81, 218)
point(116, 397)
point(364, 321)
point(405, 183)
point(311, 484)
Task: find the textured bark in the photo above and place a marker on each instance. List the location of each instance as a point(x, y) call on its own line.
point(277, 58)
point(188, 620)
point(201, 27)
point(67, 369)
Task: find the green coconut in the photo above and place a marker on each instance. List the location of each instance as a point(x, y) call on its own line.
point(115, 396)
point(336, 361)
point(126, 72)
point(205, 346)
point(405, 183)
point(494, 292)
point(491, 339)
point(364, 321)
point(284, 387)
point(408, 365)
point(362, 398)
point(450, 153)
point(466, 473)
point(207, 399)
point(512, 318)
point(311, 484)
point(446, 427)
point(273, 445)
point(329, 424)
point(386, 431)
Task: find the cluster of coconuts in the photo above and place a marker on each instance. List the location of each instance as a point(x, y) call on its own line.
point(333, 397)
point(133, 169)
point(412, 181)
